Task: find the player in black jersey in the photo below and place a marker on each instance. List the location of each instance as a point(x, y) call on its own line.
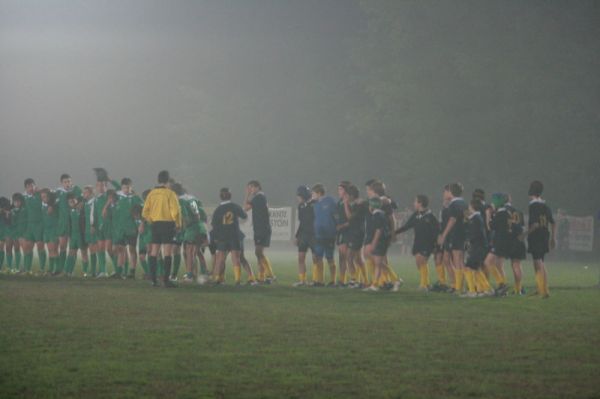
point(443, 255)
point(518, 251)
point(455, 231)
point(477, 244)
point(261, 225)
point(342, 231)
point(541, 235)
point(226, 233)
point(305, 234)
point(356, 211)
point(427, 230)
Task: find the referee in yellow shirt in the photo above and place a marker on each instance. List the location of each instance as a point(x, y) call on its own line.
point(162, 211)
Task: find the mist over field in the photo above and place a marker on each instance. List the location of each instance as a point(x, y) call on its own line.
point(493, 94)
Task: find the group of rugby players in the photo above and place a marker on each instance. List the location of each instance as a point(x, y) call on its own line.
point(469, 243)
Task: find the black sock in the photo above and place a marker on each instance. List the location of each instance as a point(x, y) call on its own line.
point(152, 261)
point(167, 263)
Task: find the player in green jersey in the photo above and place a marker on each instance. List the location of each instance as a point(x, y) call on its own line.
point(50, 227)
point(76, 236)
point(4, 225)
point(18, 220)
point(102, 228)
point(90, 238)
point(33, 236)
point(125, 228)
point(66, 187)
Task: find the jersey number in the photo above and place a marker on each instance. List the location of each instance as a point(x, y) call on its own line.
point(228, 218)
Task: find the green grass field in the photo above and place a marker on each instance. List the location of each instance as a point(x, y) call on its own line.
point(75, 338)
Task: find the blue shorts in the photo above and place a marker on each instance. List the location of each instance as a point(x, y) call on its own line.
point(324, 248)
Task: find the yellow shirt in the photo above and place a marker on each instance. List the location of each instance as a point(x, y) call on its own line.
point(162, 205)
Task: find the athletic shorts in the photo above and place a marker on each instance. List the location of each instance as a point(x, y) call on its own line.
point(104, 232)
point(262, 238)
point(306, 243)
point(91, 238)
point(343, 237)
point(122, 238)
point(356, 240)
point(63, 229)
point(230, 245)
point(324, 248)
point(50, 236)
point(456, 243)
point(518, 250)
point(192, 235)
point(476, 257)
point(423, 251)
point(77, 242)
point(34, 232)
point(502, 249)
point(163, 232)
point(381, 248)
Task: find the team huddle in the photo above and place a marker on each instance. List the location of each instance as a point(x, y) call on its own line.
point(469, 242)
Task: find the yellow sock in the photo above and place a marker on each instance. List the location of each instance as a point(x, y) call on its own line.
point(302, 277)
point(237, 273)
point(483, 285)
point(315, 273)
point(458, 279)
point(371, 270)
point(497, 276)
point(268, 268)
point(332, 272)
point(518, 287)
point(391, 274)
point(424, 272)
point(470, 280)
point(539, 283)
point(441, 273)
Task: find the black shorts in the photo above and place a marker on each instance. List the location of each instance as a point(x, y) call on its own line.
point(381, 248)
point(456, 243)
point(163, 232)
point(518, 250)
point(423, 251)
point(538, 247)
point(230, 245)
point(306, 243)
point(262, 238)
point(355, 241)
point(502, 248)
point(343, 237)
point(476, 257)
point(125, 240)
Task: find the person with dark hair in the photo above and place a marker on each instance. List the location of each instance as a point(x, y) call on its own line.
point(477, 245)
point(325, 232)
point(227, 234)
point(89, 235)
point(500, 228)
point(163, 212)
point(4, 222)
point(427, 229)
point(305, 234)
point(356, 211)
point(261, 225)
point(66, 187)
point(443, 256)
point(18, 221)
point(377, 241)
point(76, 234)
point(125, 229)
point(455, 231)
point(102, 227)
point(343, 224)
point(518, 251)
point(33, 236)
point(50, 226)
point(541, 235)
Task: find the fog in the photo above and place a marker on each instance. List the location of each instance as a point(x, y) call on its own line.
point(493, 94)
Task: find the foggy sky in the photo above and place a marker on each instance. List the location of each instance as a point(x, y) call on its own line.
point(218, 92)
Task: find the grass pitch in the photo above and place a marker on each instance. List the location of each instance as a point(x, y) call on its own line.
point(75, 338)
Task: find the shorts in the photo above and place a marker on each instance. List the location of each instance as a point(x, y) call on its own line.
point(502, 248)
point(355, 240)
point(343, 237)
point(306, 243)
point(324, 248)
point(50, 236)
point(518, 250)
point(104, 232)
point(538, 246)
point(77, 242)
point(63, 229)
point(423, 251)
point(123, 238)
point(34, 232)
point(230, 245)
point(456, 243)
point(262, 239)
point(192, 235)
point(381, 248)
point(163, 232)
point(476, 257)
point(90, 238)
